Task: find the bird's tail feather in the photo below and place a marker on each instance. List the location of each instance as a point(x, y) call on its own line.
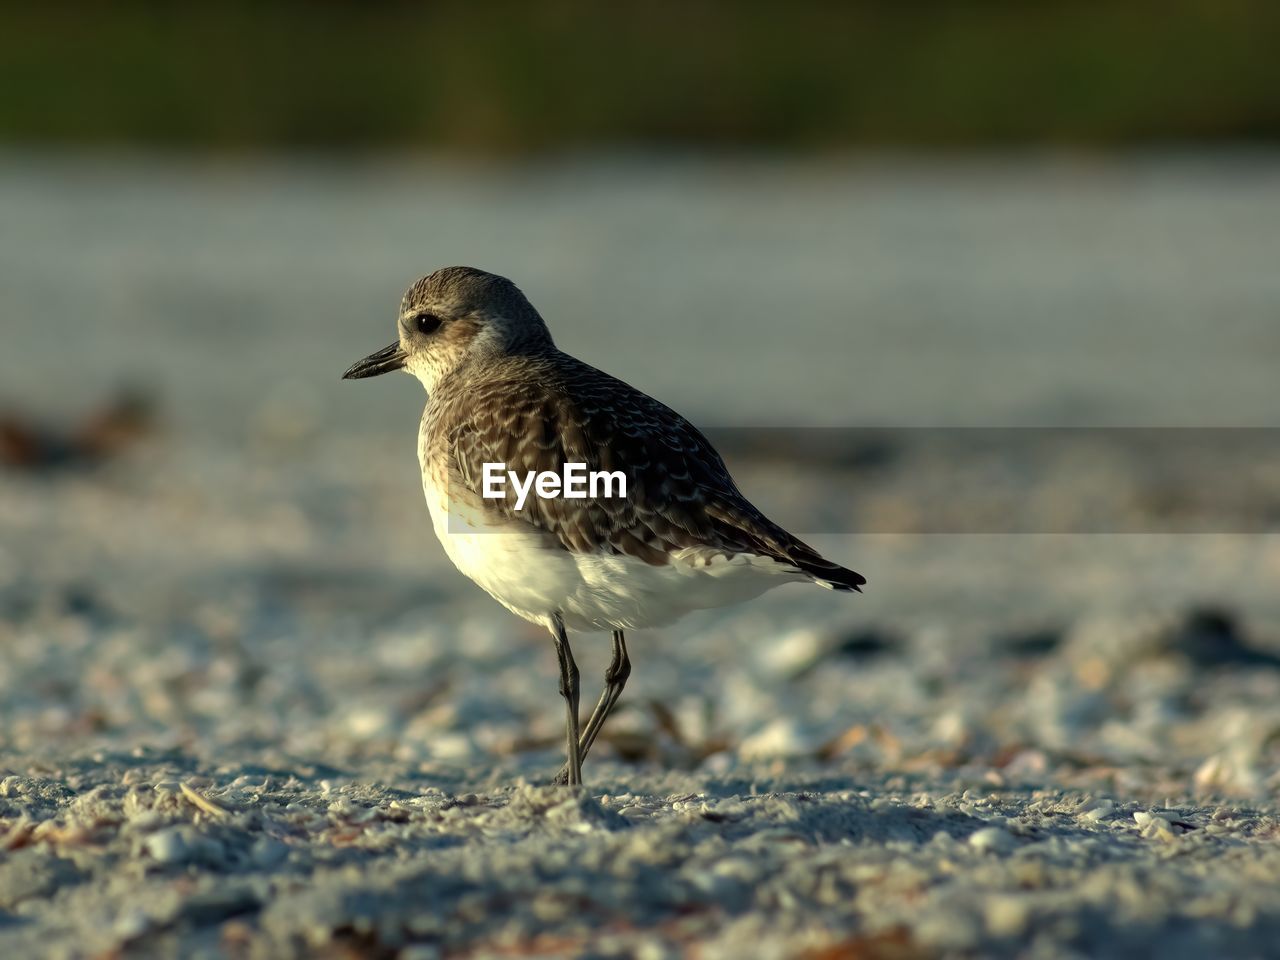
point(823, 571)
point(833, 576)
point(769, 539)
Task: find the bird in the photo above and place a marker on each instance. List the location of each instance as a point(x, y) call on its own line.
point(501, 393)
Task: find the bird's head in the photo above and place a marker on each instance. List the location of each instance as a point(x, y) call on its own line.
point(452, 316)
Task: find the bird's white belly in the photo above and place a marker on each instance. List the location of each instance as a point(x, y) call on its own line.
point(532, 576)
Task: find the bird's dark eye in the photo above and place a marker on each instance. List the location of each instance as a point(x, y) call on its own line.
point(426, 323)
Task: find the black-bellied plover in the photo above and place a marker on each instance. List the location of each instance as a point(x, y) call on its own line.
point(664, 532)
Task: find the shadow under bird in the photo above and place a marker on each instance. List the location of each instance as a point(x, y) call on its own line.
point(683, 537)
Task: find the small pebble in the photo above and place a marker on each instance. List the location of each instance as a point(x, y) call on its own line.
point(168, 846)
point(781, 737)
point(992, 839)
point(131, 924)
point(1098, 811)
point(1007, 916)
point(268, 852)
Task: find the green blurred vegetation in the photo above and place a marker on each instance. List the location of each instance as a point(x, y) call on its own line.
point(507, 76)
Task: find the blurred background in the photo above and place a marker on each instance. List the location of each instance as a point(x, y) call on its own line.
point(846, 221)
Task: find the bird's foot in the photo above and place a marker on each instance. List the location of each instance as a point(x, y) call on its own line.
point(561, 779)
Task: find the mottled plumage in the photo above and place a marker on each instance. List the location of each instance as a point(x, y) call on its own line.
point(536, 413)
point(500, 391)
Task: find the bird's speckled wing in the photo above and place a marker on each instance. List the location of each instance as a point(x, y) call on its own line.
point(679, 492)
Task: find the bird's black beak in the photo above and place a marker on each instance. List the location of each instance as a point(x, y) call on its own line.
point(384, 361)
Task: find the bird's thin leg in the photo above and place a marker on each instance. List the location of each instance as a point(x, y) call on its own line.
point(615, 678)
point(568, 690)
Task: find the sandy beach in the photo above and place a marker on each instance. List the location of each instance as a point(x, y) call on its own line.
point(248, 709)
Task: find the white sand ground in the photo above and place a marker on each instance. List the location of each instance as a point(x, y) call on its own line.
point(247, 709)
